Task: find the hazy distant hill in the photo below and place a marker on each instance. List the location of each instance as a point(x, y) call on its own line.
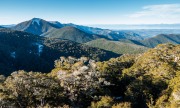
point(137, 26)
point(8, 26)
point(111, 34)
point(135, 32)
point(117, 46)
point(1, 27)
point(73, 34)
point(148, 33)
point(162, 38)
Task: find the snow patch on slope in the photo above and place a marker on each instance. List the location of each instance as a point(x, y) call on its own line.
point(36, 20)
point(40, 48)
point(13, 54)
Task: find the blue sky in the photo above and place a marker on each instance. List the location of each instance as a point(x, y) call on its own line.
point(91, 11)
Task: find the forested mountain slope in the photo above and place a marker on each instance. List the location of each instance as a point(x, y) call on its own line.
point(24, 51)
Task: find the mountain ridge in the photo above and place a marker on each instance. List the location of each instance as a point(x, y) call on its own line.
point(35, 26)
point(73, 34)
point(160, 39)
point(43, 26)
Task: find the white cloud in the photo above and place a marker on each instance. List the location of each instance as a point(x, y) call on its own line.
point(164, 13)
point(165, 10)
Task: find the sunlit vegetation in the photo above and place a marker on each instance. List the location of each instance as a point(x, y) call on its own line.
point(119, 47)
point(147, 80)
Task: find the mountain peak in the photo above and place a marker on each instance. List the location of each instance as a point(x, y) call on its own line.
point(36, 26)
point(36, 19)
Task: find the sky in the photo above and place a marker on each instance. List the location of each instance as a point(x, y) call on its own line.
point(91, 11)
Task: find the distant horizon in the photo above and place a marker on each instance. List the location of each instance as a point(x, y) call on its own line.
point(93, 23)
point(116, 26)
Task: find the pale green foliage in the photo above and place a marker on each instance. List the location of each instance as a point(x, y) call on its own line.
point(79, 78)
point(116, 64)
point(152, 72)
point(105, 102)
point(117, 46)
point(171, 96)
point(122, 105)
point(160, 62)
